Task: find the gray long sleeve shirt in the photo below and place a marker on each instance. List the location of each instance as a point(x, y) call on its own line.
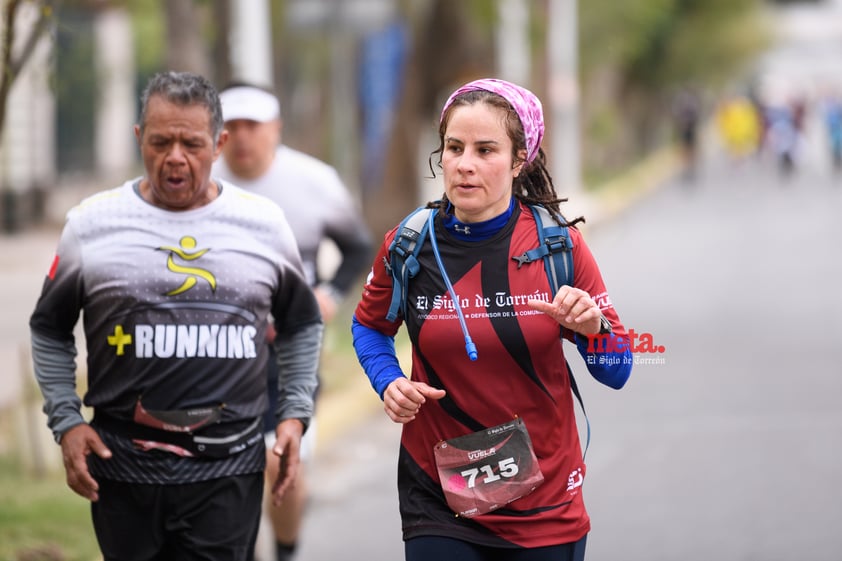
point(174, 308)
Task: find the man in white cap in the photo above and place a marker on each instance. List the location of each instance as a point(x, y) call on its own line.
point(318, 206)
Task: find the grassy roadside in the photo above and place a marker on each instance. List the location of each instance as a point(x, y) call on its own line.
point(41, 519)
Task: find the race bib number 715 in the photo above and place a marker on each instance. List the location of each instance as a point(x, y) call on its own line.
point(488, 469)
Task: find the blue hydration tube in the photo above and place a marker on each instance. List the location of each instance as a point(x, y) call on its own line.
point(470, 348)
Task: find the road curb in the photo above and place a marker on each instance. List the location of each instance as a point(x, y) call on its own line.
point(615, 196)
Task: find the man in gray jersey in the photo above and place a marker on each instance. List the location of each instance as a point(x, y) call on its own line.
point(177, 274)
point(318, 207)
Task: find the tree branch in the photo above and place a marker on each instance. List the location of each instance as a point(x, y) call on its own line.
point(7, 76)
point(13, 65)
point(38, 30)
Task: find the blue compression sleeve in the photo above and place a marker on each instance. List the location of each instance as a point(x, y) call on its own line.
point(610, 367)
point(376, 353)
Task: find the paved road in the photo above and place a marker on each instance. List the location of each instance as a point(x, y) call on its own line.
point(730, 449)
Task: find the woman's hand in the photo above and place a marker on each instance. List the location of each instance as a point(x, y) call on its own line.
point(573, 308)
point(403, 398)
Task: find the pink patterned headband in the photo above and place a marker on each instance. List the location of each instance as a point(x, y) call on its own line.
point(524, 102)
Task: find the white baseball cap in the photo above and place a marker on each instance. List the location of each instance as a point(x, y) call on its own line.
point(247, 102)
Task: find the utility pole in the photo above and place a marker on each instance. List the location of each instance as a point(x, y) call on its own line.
point(343, 95)
point(114, 58)
point(564, 155)
point(251, 42)
point(513, 55)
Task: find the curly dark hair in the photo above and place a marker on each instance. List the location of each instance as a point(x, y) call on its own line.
point(534, 185)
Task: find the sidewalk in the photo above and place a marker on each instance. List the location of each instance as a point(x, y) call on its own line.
point(25, 258)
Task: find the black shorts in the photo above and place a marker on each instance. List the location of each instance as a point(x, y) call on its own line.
point(216, 519)
point(435, 547)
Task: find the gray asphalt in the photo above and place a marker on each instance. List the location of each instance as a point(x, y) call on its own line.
point(731, 449)
point(727, 446)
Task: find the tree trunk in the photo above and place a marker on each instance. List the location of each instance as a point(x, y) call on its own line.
point(185, 47)
point(12, 62)
point(445, 54)
point(221, 49)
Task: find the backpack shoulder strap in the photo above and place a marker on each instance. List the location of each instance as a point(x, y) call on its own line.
point(555, 246)
point(574, 387)
point(402, 264)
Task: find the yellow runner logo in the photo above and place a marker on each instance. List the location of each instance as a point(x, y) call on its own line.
point(186, 252)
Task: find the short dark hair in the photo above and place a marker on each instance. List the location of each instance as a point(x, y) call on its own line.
point(184, 88)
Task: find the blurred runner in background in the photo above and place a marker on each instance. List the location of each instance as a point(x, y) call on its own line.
point(739, 126)
point(318, 207)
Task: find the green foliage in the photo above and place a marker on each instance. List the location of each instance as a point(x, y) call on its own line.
point(634, 54)
point(616, 33)
point(42, 516)
point(149, 30)
point(75, 87)
point(483, 13)
point(656, 43)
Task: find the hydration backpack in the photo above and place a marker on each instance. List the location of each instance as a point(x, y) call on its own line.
point(555, 247)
